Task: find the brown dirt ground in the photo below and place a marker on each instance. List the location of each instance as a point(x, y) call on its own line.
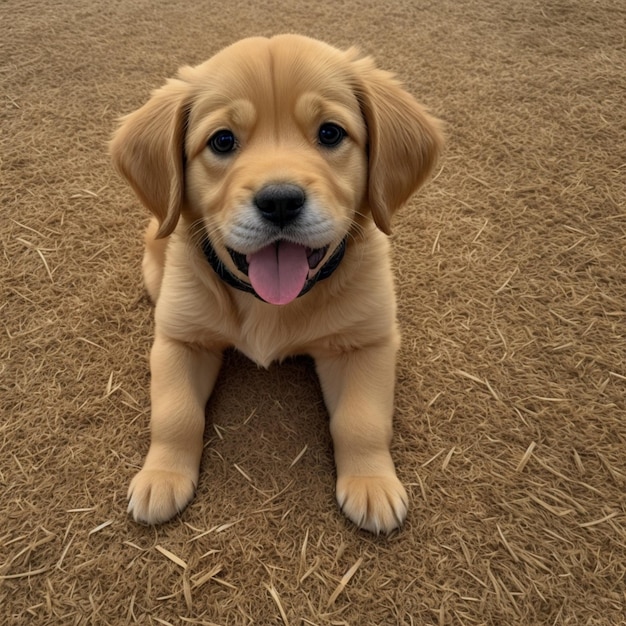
point(511, 416)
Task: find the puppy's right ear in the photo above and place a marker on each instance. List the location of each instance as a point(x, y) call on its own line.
point(148, 150)
point(404, 141)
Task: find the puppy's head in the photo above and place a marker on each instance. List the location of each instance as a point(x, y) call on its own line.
point(275, 149)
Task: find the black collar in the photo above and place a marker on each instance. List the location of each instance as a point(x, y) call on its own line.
point(230, 279)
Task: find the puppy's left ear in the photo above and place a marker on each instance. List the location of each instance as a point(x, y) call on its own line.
point(404, 141)
point(147, 149)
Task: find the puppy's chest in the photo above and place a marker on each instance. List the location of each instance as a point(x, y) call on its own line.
point(261, 352)
point(263, 337)
point(270, 339)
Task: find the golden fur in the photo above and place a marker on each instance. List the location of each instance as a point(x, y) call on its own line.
point(274, 95)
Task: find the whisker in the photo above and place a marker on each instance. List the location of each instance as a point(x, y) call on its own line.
point(355, 232)
point(199, 230)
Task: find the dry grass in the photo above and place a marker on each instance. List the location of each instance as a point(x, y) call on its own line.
point(511, 416)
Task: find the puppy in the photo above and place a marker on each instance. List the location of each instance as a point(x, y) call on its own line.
point(272, 171)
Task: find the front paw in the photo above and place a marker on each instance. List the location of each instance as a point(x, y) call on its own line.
point(374, 503)
point(155, 496)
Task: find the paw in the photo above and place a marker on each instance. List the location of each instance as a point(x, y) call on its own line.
point(374, 503)
point(155, 496)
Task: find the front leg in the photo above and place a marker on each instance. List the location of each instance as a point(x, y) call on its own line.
point(182, 380)
point(358, 388)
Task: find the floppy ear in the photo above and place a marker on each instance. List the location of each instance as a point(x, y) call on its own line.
point(147, 149)
point(404, 141)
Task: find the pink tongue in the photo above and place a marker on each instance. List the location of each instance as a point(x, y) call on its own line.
point(279, 271)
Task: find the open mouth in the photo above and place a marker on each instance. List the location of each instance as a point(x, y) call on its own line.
point(279, 272)
point(314, 257)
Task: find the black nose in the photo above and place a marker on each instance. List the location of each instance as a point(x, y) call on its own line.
point(280, 203)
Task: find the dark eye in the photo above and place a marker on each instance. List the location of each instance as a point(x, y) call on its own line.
point(331, 135)
point(222, 142)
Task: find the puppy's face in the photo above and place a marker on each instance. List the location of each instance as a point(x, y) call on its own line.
point(275, 149)
point(276, 159)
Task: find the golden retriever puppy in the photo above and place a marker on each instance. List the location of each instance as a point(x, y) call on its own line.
point(272, 171)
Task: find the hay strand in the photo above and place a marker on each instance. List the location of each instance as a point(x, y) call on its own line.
point(171, 556)
point(346, 578)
